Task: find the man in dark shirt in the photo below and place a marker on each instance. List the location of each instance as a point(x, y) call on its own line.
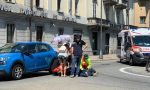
point(78, 47)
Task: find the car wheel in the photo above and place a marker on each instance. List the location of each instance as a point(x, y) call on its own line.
point(121, 60)
point(131, 62)
point(50, 66)
point(17, 72)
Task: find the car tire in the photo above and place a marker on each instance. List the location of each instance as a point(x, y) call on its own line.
point(121, 60)
point(17, 72)
point(131, 61)
point(50, 66)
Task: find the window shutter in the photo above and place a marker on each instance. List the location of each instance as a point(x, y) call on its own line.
point(41, 4)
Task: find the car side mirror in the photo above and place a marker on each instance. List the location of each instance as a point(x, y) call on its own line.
point(26, 53)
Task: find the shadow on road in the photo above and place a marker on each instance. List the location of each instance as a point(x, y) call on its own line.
point(26, 76)
point(127, 63)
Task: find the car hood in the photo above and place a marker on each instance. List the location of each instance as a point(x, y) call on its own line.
point(9, 54)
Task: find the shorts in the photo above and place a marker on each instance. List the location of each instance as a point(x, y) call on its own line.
point(62, 59)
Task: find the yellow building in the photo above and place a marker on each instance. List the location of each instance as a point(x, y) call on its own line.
point(42, 20)
point(141, 13)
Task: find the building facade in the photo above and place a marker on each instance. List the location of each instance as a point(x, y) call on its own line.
point(42, 20)
point(141, 13)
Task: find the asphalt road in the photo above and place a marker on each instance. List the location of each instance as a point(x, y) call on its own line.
point(109, 78)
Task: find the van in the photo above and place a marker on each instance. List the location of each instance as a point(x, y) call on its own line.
point(134, 45)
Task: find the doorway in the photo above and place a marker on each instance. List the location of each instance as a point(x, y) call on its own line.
point(39, 33)
point(107, 37)
point(95, 43)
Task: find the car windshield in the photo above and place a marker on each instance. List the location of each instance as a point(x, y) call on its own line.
point(12, 48)
point(141, 41)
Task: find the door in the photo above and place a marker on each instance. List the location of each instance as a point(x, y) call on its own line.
point(94, 42)
point(39, 33)
point(107, 37)
point(31, 58)
point(44, 56)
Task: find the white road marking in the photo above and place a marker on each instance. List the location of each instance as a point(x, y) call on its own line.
point(123, 70)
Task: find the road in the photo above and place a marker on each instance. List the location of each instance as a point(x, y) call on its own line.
point(109, 78)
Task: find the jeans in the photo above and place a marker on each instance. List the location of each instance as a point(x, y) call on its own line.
point(75, 65)
point(89, 72)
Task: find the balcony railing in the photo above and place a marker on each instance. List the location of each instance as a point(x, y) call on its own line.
point(110, 2)
point(122, 4)
point(97, 21)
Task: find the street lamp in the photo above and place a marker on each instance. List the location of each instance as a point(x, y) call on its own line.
point(101, 34)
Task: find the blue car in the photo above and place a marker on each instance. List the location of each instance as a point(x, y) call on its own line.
point(17, 59)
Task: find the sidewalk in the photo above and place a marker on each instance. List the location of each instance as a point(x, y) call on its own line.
point(105, 57)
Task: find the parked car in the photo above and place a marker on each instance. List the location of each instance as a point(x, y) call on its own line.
point(17, 59)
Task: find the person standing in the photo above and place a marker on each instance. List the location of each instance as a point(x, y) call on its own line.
point(78, 47)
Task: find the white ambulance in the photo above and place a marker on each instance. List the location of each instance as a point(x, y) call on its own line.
point(134, 45)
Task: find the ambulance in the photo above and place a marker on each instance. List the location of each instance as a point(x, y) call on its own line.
point(133, 45)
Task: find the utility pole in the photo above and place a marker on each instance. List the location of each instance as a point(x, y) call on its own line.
point(30, 20)
point(127, 11)
point(101, 34)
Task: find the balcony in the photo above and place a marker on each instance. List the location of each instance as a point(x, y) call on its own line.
point(110, 2)
point(121, 5)
point(97, 21)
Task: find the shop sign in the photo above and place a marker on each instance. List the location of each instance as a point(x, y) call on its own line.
point(34, 12)
point(6, 8)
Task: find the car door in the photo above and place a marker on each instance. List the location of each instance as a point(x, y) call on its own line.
point(30, 57)
point(44, 56)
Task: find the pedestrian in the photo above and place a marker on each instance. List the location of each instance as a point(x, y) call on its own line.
point(78, 47)
point(63, 53)
point(86, 67)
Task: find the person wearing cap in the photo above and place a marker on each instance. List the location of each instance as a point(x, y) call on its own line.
point(78, 47)
point(86, 67)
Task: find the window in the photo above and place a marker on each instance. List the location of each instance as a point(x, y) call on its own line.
point(70, 7)
point(142, 3)
point(94, 8)
point(11, 1)
point(107, 11)
point(76, 6)
point(10, 33)
point(43, 48)
point(118, 16)
point(32, 48)
point(142, 19)
point(58, 5)
point(18, 48)
point(39, 3)
point(39, 33)
point(60, 31)
point(78, 32)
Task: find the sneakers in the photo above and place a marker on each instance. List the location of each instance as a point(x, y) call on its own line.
point(71, 76)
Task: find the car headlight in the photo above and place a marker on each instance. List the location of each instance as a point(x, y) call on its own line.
point(3, 58)
point(137, 50)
